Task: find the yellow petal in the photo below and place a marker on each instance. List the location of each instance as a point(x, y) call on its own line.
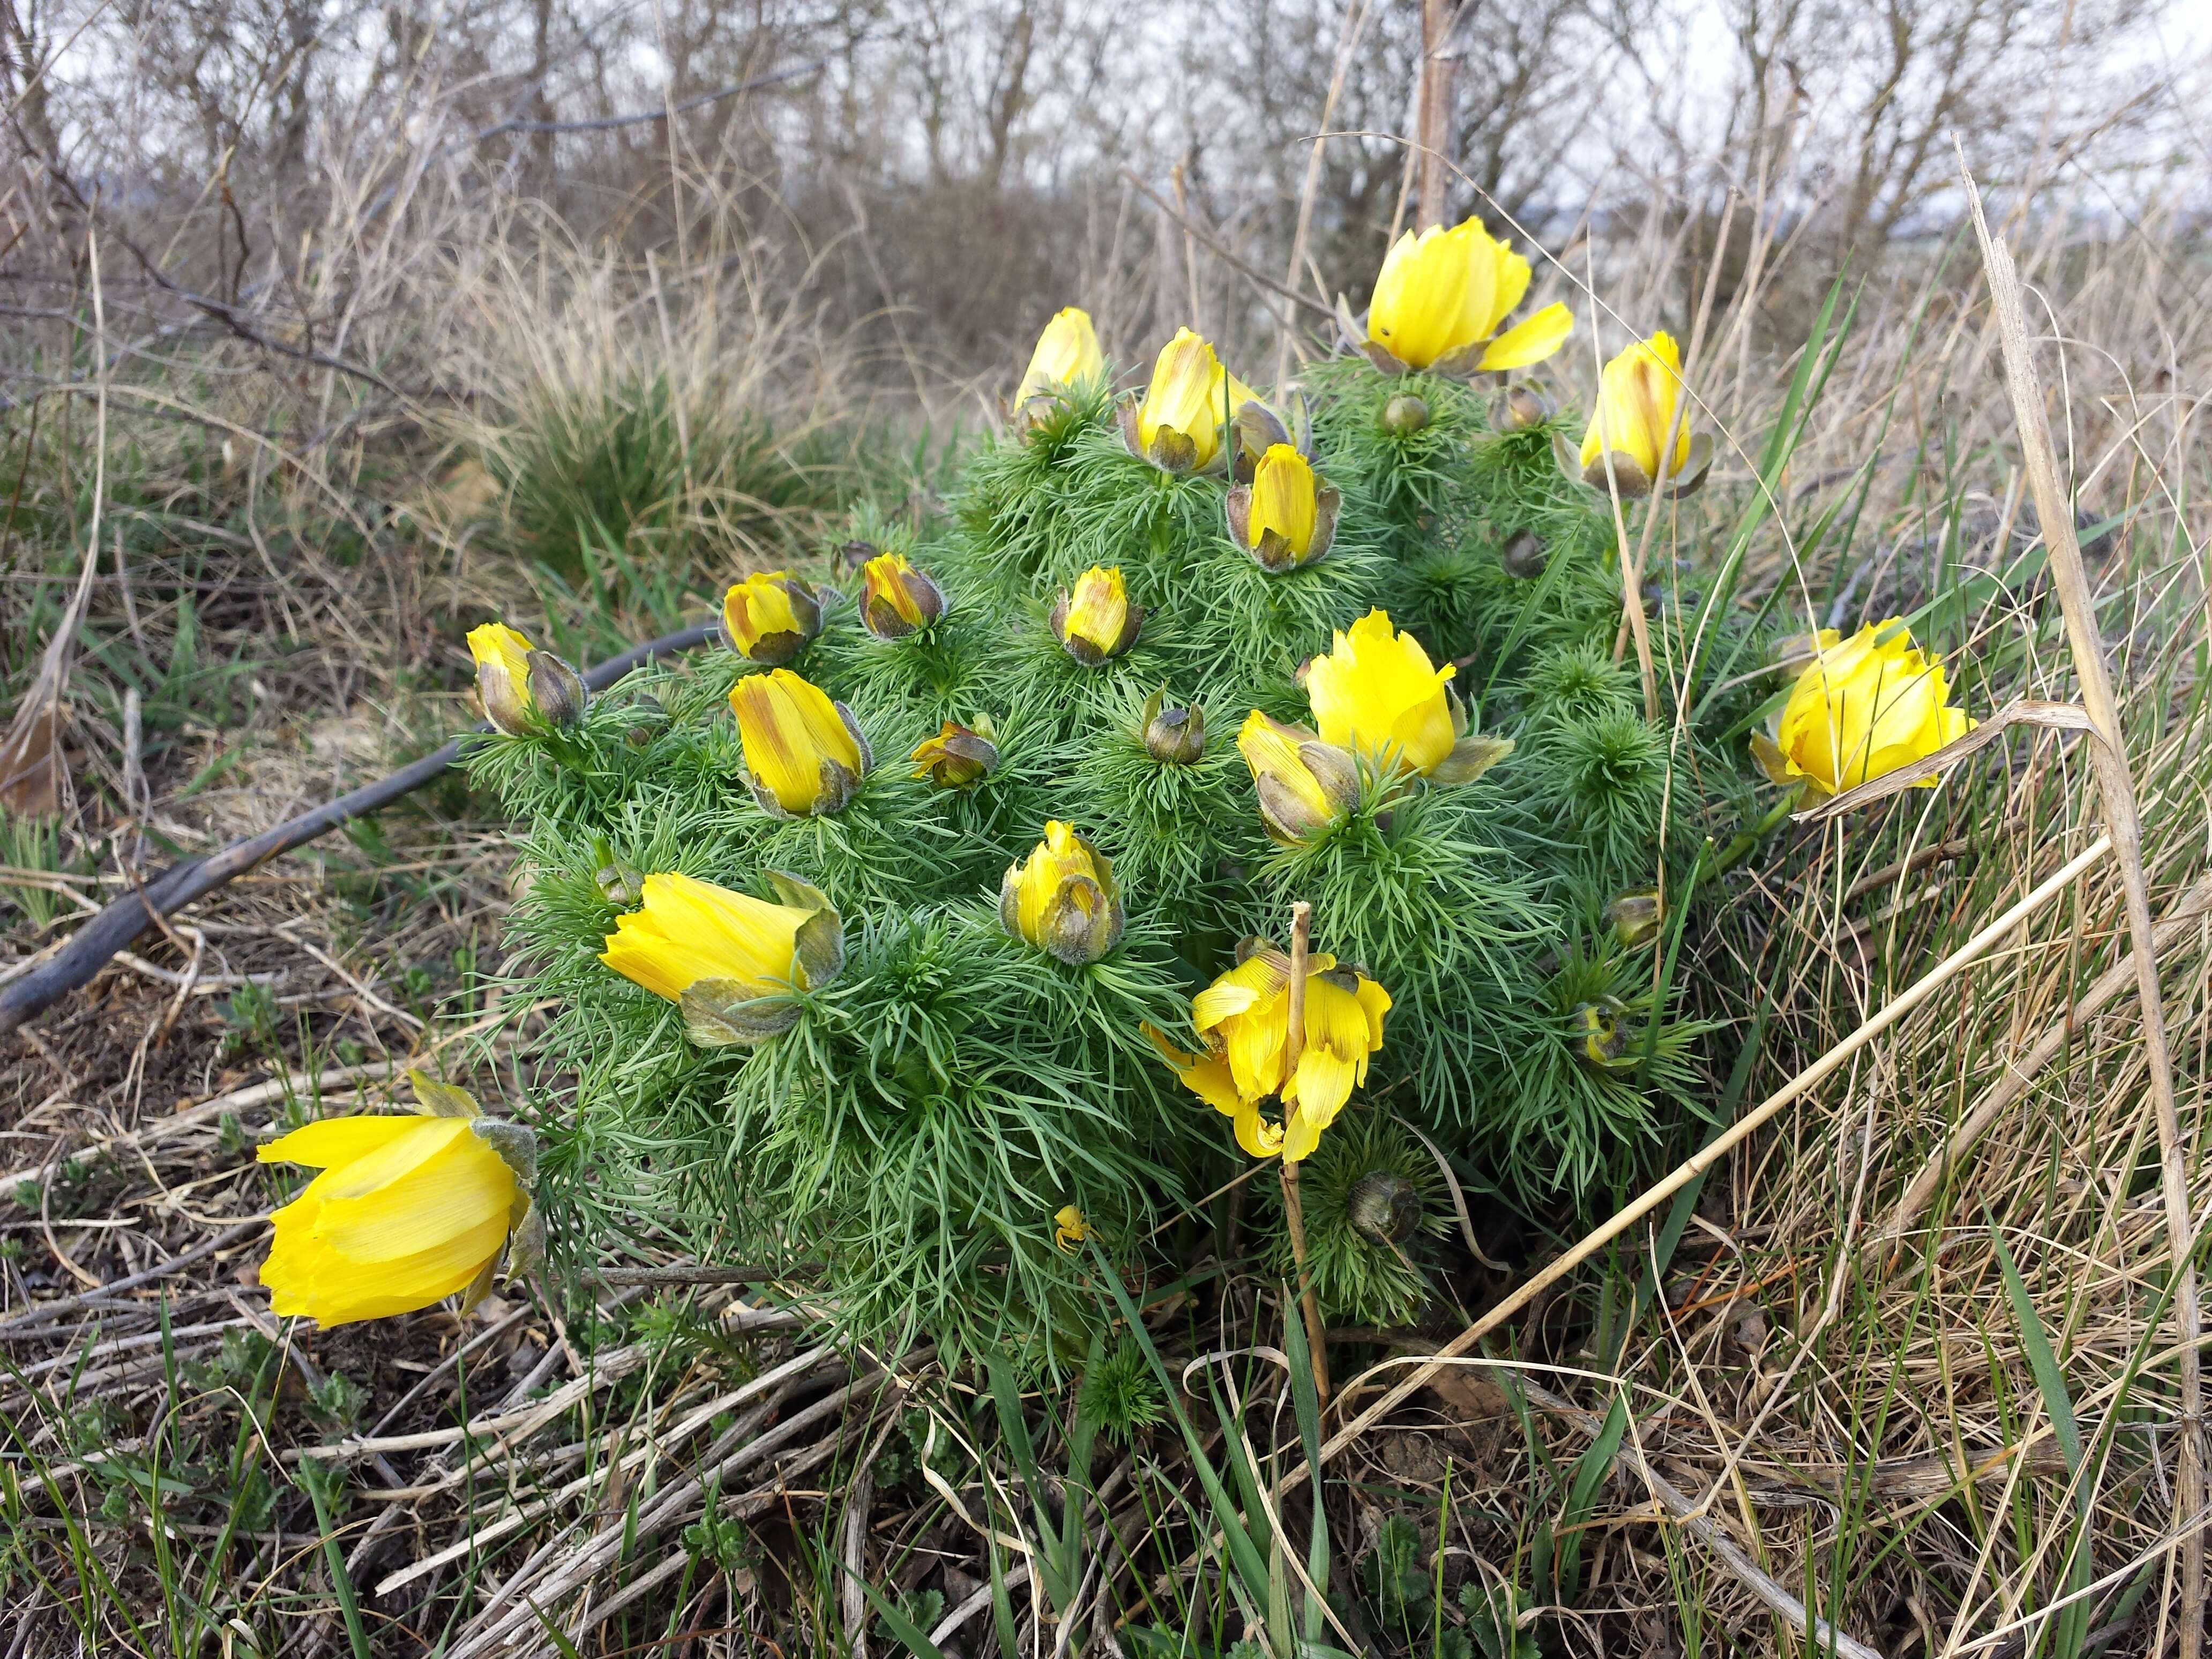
point(1284, 499)
point(1098, 608)
point(1377, 693)
point(1181, 398)
point(1636, 395)
point(461, 1190)
point(789, 727)
point(1420, 296)
point(335, 1141)
point(1067, 354)
point(1531, 340)
point(690, 930)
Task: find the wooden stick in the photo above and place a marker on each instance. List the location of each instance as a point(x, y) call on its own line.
point(1293, 1210)
point(2054, 506)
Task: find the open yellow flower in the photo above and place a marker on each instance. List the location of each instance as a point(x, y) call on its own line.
point(1378, 695)
point(896, 599)
point(1865, 706)
point(770, 615)
point(1067, 355)
point(1176, 424)
point(1304, 785)
point(1440, 300)
point(728, 960)
point(1637, 396)
point(1285, 517)
point(407, 1211)
point(523, 689)
point(1063, 898)
point(804, 753)
point(1096, 620)
point(1244, 1017)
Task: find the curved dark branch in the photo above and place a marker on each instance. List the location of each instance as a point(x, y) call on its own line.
point(115, 928)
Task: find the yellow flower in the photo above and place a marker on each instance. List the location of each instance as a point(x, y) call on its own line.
point(1636, 398)
point(957, 756)
point(523, 689)
point(728, 960)
point(1176, 425)
point(804, 753)
point(406, 1211)
point(1304, 785)
point(1069, 1228)
point(1244, 1017)
point(1866, 706)
point(1063, 898)
point(1067, 355)
point(896, 599)
point(1285, 517)
point(1440, 299)
point(1378, 695)
point(1096, 622)
point(770, 616)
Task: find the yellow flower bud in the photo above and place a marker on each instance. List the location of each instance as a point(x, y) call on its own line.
point(731, 962)
point(1637, 396)
point(407, 1211)
point(896, 599)
point(957, 757)
point(1304, 785)
point(502, 659)
point(1067, 357)
point(770, 616)
point(1063, 898)
point(1244, 1018)
point(1439, 301)
point(1866, 706)
point(1176, 425)
point(804, 753)
point(1096, 621)
point(1285, 517)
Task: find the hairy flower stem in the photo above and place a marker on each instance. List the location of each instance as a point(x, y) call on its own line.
point(1293, 1212)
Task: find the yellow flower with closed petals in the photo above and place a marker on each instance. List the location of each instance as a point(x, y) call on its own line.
point(407, 1211)
point(728, 960)
point(1176, 424)
point(1069, 1228)
point(1063, 898)
point(1637, 398)
point(1866, 706)
point(1096, 620)
point(1304, 785)
point(1244, 1018)
point(1067, 355)
point(1285, 517)
point(896, 599)
point(770, 617)
point(502, 660)
point(1440, 300)
point(1378, 695)
point(804, 753)
point(958, 757)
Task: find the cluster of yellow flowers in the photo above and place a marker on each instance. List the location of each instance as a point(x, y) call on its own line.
point(410, 1209)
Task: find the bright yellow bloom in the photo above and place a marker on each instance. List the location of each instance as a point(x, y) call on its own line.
point(1304, 785)
point(1096, 620)
point(770, 617)
point(1244, 1017)
point(957, 756)
point(1637, 396)
point(1176, 425)
point(729, 960)
point(896, 599)
point(406, 1211)
point(1285, 517)
point(1069, 1228)
point(1378, 695)
point(1063, 898)
point(1866, 706)
point(1067, 355)
point(502, 659)
point(803, 752)
point(1441, 297)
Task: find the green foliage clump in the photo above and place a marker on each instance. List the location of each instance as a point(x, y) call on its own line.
point(912, 1136)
